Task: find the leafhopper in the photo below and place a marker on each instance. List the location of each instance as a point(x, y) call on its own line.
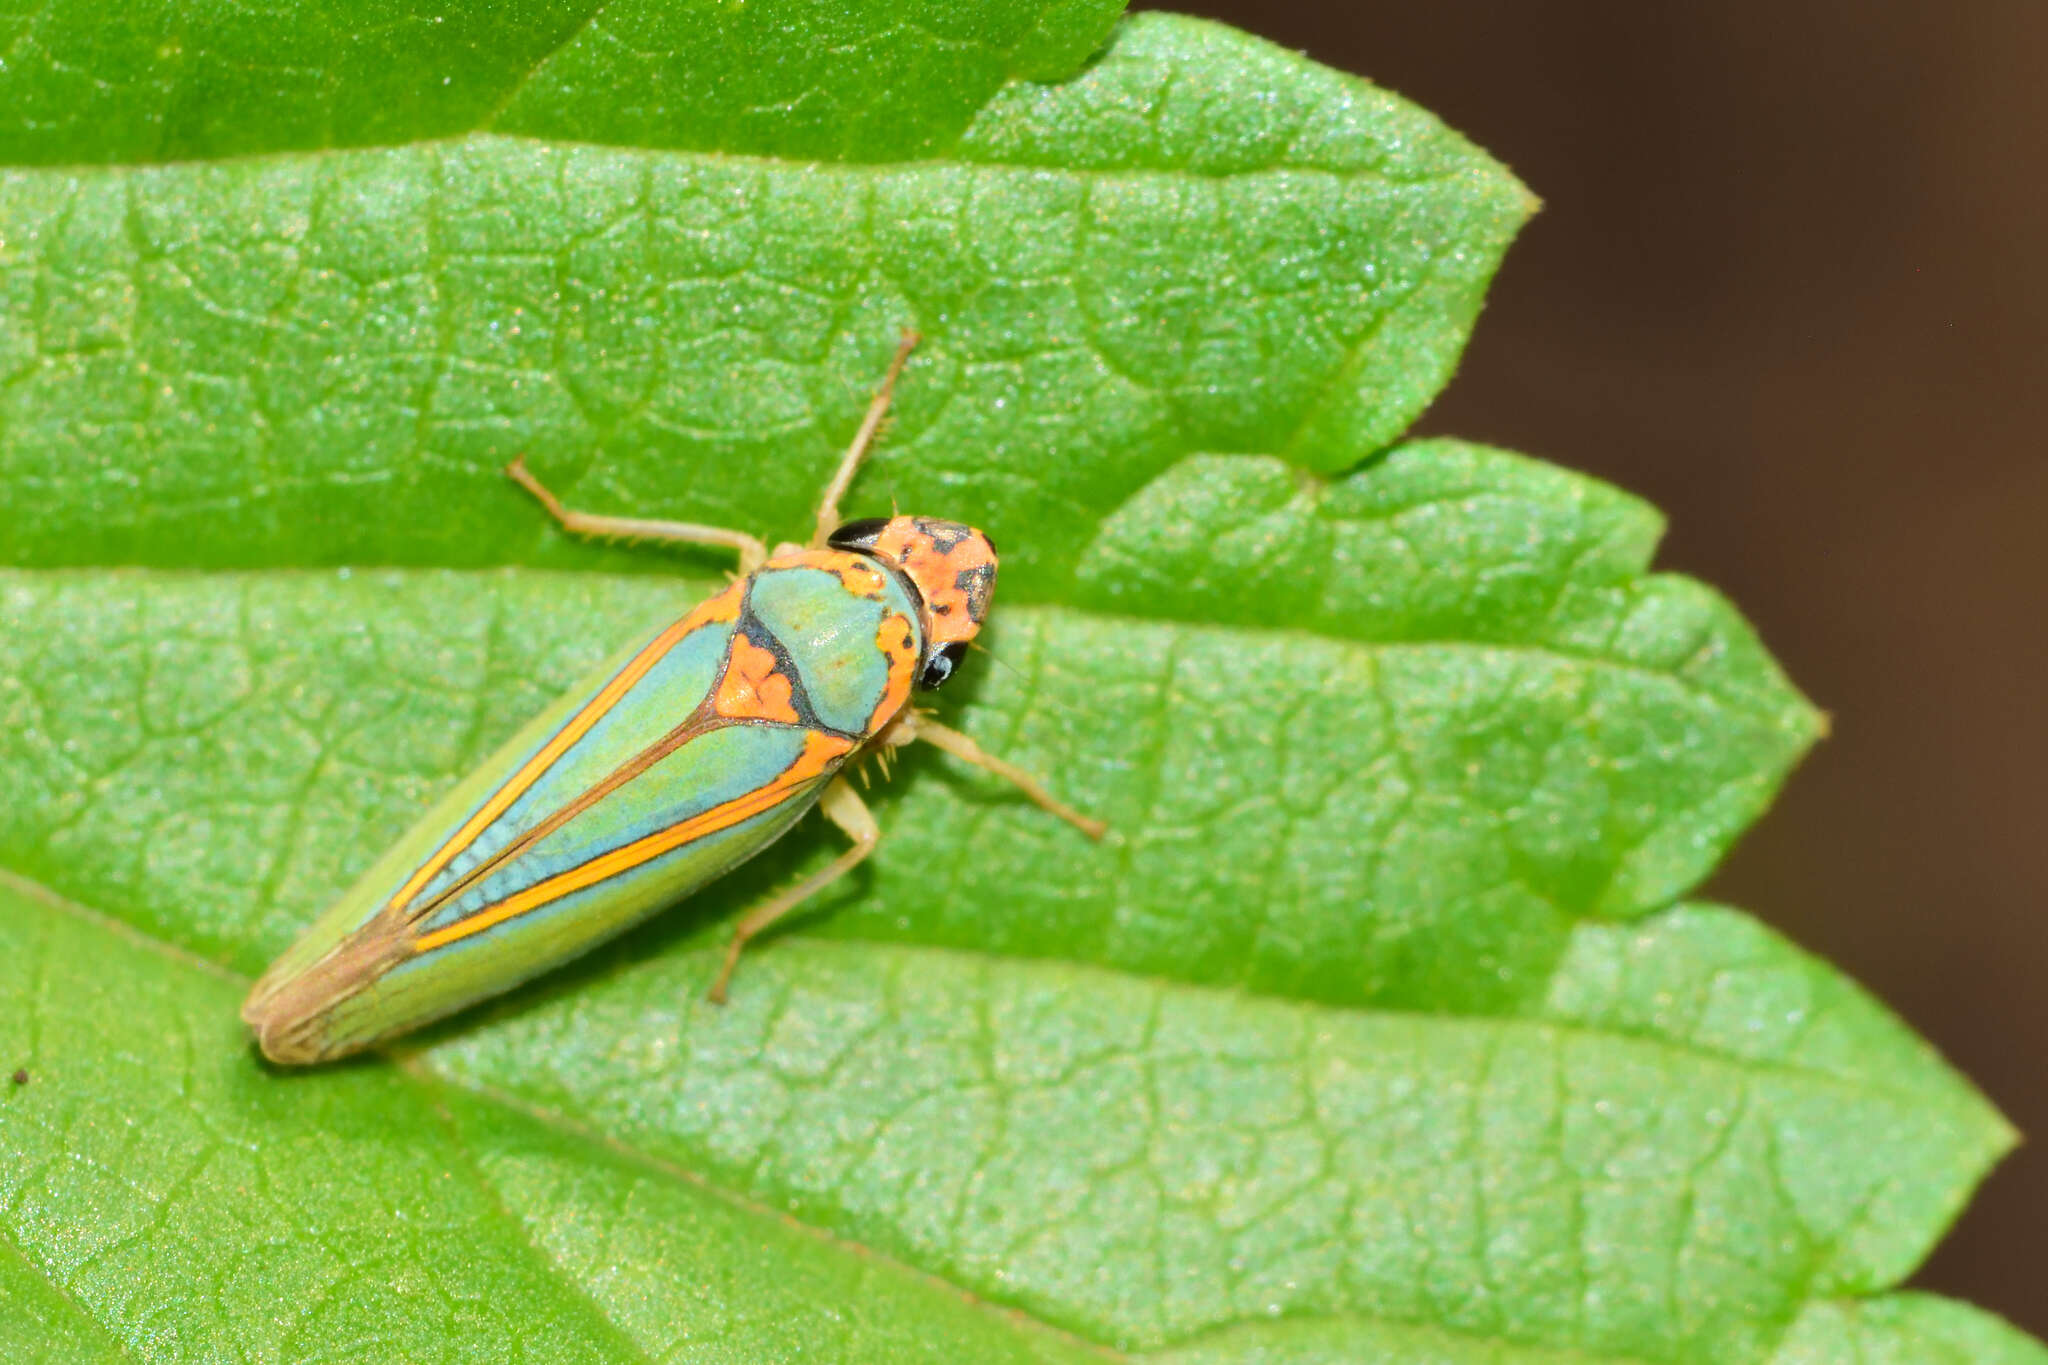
point(680, 758)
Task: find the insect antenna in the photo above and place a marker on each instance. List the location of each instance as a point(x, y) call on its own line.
point(980, 648)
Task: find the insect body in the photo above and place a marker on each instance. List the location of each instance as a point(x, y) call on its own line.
point(680, 758)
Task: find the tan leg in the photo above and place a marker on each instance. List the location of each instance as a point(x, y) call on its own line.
point(751, 550)
point(843, 809)
point(878, 408)
point(939, 736)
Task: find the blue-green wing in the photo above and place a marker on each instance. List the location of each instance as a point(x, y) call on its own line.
point(677, 760)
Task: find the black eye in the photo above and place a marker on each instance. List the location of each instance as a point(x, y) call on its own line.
point(941, 663)
point(857, 535)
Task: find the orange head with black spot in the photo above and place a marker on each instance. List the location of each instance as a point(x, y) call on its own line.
point(951, 567)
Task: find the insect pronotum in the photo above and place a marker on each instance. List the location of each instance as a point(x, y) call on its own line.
point(678, 759)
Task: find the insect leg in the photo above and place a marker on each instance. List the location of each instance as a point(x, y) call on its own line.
point(961, 747)
point(751, 550)
point(878, 408)
point(844, 809)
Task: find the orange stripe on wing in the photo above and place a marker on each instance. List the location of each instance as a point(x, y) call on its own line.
point(724, 607)
point(820, 751)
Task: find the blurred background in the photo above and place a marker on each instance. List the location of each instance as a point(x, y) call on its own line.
point(1791, 285)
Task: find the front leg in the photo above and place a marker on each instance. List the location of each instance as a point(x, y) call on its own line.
point(849, 464)
point(913, 726)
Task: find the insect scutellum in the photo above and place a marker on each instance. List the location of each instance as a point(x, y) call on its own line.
point(680, 758)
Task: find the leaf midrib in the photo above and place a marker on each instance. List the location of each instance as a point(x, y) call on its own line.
point(950, 160)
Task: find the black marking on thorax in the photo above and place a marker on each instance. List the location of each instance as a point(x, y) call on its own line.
point(976, 584)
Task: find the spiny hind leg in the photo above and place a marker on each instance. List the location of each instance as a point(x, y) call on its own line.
point(844, 809)
point(751, 550)
point(849, 464)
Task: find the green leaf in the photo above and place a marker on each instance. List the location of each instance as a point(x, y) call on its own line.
point(1379, 1030)
point(802, 78)
point(328, 358)
point(1487, 725)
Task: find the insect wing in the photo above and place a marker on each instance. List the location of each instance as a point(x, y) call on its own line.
point(676, 761)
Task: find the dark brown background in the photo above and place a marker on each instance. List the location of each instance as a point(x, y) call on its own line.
point(1791, 284)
